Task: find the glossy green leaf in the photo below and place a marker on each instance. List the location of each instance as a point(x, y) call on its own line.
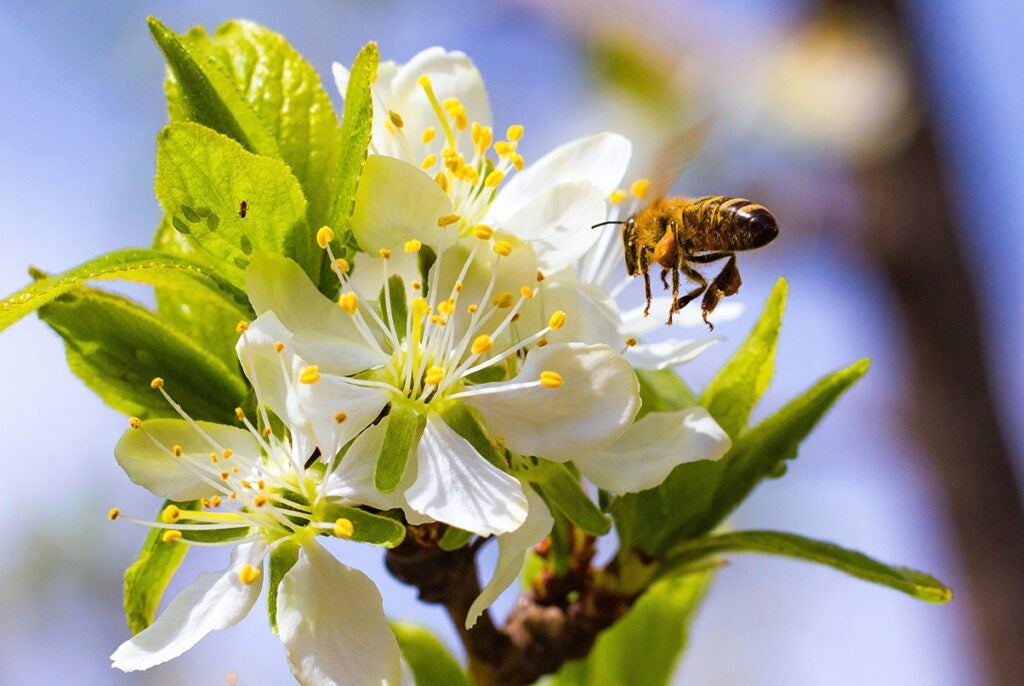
point(563, 490)
point(175, 274)
point(735, 390)
point(208, 96)
point(117, 347)
point(368, 527)
point(917, 584)
point(197, 167)
point(429, 660)
point(282, 558)
point(403, 428)
point(146, 579)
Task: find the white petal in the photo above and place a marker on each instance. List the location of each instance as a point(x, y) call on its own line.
point(634, 321)
point(596, 402)
point(600, 159)
point(331, 621)
point(215, 600)
point(262, 364)
point(457, 486)
point(512, 549)
point(322, 332)
point(395, 202)
point(557, 223)
point(643, 457)
point(319, 405)
point(153, 468)
point(667, 354)
point(591, 316)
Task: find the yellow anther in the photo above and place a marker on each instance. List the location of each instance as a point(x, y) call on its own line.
point(639, 188)
point(631, 341)
point(461, 121)
point(424, 82)
point(241, 327)
point(540, 276)
point(494, 179)
point(429, 134)
point(514, 132)
point(503, 300)
point(420, 308)
point(205, 502)
point(215, 501)
point(458, 287)
point(526, 292)
point(213, 458)
point(438, 319)
point(472, 309)
point(434, 376)
point(340, 417)
point(451, 104)
point(550, 379)
point(448, 220)
point(262, 484)
point(348, 302)
point(224, 474)
point(310, 374)
point(235, 470)
point(324, 237)
point(246, 484)
point(135, 422)
point(248, 574)
point(279, 347)
point(232, 496)
point(517, 161)
point(468, 174)
point(343, 528)
point(259, 501)
point(240, 414)
point(228, 452)
point(442, 181)
point(384, 253)
point(171, 536)
point(447, 307)
point(428, 161)
point(482, 344)
point(156, 383)
point(482, 231)
point(504, 148)
point(474, 132)
point(618, 196)
point(557, 320)
point(170, 514)
point(113, 513)
point(542, 342)
point(396, 119)
point(176, 451)
point(341, 265)
point(484, 140)
point(503, 248)
point(417, 286)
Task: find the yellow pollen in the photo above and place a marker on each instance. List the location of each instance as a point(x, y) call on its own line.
point(232, 495)
point(442, 181)
point(396, 119)
point(279, 347)
point(550, 379)
point(324, 237)
point(631, 341)
point(448, 220)
point(224, 475)
point(526, 292)
point(557, 320)
point(413, 245)
point(240, 414)
point(135, 422)
point(517, 161)
point(514, 132)
point(434, 376)
point(228, 452)
point(341, 264)
point(213, 458)
point(234, 470)
point(384, 253)
point(241, 327)
point(447, 308)
point(113, 513)
point(483, 232)
point(542, 342)
point(246, 484)
point(639, 188)
point(439, 320)
point(267, 431)
point(176, 451)
point(156, 383)
point(494, 179)
point(348, 302)
point(504, 148)
point(171, 536)
point(482, 344)
point(262, 484)
point(248, 574)
point(340, 417)
point(424, 82)
point(428, 135)
point(310, 375)
point(503, 248)
point(618, 196)
point(483, 142)
point(458, 287)
point(205, 502)
point(468, 174)
point(472, 309)
point(259, 501)
point(417, 286)
point(215, 501)
point(170, 514)
point(503, 300)
point(343, 528)
point(428, 161)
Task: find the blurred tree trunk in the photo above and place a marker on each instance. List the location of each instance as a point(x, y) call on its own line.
point(910, 232)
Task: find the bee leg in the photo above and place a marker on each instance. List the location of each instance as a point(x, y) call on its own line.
point(710, 257)
point(664, 279)
point(675, 295)
point(647, 292)
point(693, 275)
point(726, 283)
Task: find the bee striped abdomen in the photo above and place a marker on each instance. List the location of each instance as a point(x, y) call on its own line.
point(729, 224)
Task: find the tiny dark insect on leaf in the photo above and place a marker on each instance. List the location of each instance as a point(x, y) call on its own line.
point(243, 209)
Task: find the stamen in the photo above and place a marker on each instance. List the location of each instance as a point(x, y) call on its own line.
point(428, 135)
point(482, 231)
point(348, 302)
point(248, 574)
point(494, 179)
point(517, 161)
point(340, 417)
point(515, 132)
point(113, 513)
point(631, 341)
point(279, 347)
point(259, 501)
point(341, 265)
point(428, 88)
point(176, 451)
point(549, 379)
point(343, 528)
point(171, 536)
point(310, 375)
point(170, 514)
point(526, 292)
point(618, 196)
point(413, 245)
point(503, 300)
point(639, 188)
point(135, 422)
point(241, 327)
point(503, 248)
point(384, 253)
point(428, 161)
point(557, 320)
point(324, 237)
point(448, 220)
point(482, 344)
point(434, 376)
point(156, 383)
point(396, 119)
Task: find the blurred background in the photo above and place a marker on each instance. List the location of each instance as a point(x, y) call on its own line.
point(887, 138)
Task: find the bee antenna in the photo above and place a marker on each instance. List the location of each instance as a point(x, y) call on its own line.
point(614, 221)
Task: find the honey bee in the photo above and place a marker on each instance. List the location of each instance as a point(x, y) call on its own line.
point(243, 209)
point(678, 233)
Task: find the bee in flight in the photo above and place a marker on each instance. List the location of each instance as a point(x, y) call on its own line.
point(678, 233)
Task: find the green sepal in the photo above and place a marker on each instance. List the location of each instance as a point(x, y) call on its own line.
point(404, 426)
point(213, 535)
point(563, 490)
point(663, 391)
point(428, 658)
point(914, 583)
point(463, 421)
point(146, 579)
point(454, 538)
point(283, 557)
point(399, 305)
point(367, 527)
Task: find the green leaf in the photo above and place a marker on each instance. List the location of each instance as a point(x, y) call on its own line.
point(563, 490)
point(208, 96)
point(146, 579)
point(454, 538)
point(428, 658)
point(644, 646)
point(403, 428)
point(735, 390)
point(197, 167)
point(917, 584)
point(663, 391)
point(174, 274)
point(398, 307)
point(117, 347)
point(368, 527)
point(282, 558)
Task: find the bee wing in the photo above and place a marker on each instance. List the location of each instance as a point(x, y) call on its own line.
point(673, 157)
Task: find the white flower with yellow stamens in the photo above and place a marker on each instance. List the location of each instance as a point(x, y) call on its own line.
point(258, 492)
